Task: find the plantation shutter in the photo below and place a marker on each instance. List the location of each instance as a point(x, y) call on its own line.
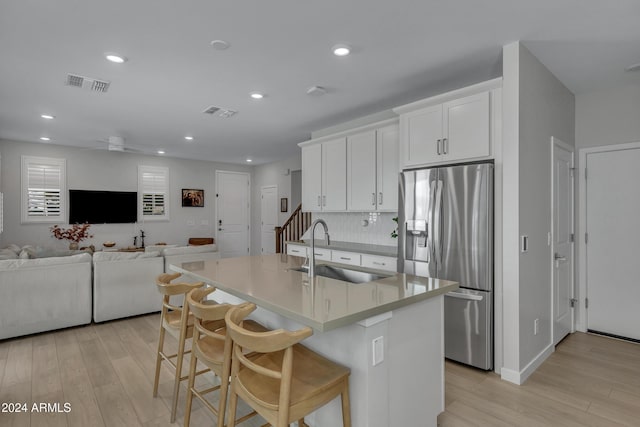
point(153, 185)
point(43, 189)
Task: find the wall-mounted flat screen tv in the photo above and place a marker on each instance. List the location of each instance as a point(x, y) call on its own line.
point(103, 207)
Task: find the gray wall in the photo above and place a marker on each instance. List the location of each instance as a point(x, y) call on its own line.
point(545, 108)
point(104, 170)
point(266, 175)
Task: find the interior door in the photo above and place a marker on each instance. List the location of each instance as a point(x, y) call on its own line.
point(269, 218)
point(562, 250)
point(233, 213)
point(612, 211)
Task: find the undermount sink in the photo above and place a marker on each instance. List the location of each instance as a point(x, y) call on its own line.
point(344, 274)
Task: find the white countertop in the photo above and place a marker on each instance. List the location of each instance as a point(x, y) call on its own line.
point(325, 304)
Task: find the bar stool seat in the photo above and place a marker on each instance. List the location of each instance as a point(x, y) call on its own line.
point(212, 348)
point(285, 381)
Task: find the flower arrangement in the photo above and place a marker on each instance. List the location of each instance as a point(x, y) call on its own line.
point(394, 233)
point(76, 233)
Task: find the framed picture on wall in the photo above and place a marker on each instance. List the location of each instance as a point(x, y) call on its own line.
point(284, 205)
point(191, 197)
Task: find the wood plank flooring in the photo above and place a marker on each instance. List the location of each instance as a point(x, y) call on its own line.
point(105, 372)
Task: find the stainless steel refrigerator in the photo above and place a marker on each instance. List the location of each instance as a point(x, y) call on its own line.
point(446, 231)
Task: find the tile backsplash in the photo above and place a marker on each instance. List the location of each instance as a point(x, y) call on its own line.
point(358, 227)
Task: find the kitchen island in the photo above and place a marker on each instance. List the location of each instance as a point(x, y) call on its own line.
point(389, 331)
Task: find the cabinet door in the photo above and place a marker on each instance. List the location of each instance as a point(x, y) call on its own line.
point(421, 131)
point(311, 178)
point(387, 168)
point(334, 175)
point(361, 172)
point(466, 128)
point(296, 250)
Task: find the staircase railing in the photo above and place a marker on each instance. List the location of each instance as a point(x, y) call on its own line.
point(293, 228)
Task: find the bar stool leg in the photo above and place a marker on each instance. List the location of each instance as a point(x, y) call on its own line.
point(192, 380)
point(176, 384)
point(158, 358)
point(346, 405)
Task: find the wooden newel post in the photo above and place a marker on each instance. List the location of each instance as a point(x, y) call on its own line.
point(278, 239)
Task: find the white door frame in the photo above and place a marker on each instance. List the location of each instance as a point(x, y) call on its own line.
point(581, 314)
point(218, 172)
point(559, 143)
point(262, 213)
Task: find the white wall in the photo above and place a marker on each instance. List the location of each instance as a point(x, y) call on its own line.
point(545, 108)
point(272, 174)
point(104, 170)
point(610, 116)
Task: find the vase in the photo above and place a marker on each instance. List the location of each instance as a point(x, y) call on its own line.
point(73, 246)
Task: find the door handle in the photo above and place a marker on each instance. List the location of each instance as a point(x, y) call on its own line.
point(469, 297)
point(220, 229)
point(559, 257)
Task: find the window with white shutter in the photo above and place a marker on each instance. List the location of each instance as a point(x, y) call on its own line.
point(44, 189)
point(153, 193)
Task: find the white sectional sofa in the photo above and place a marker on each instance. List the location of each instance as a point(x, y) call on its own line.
point(44, 294)
point(124, 284)
point(180, 255)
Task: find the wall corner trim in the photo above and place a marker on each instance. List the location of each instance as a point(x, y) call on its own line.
point(519, 378)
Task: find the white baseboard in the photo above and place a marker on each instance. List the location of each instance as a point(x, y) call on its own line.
point(520, 377)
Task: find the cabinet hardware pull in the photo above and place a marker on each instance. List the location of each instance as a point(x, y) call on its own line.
point(324, 200)
point(380, 198)
point(318, 200)
point(445, 146)
point(438, 146)
point(378, 263)
point(345, 258)
point(373, 199)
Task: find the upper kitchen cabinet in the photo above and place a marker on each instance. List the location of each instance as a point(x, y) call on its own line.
point(372, 170)
point(324, 176)
point(449, 128)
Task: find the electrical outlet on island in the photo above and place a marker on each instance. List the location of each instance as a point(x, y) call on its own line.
point(536, 324)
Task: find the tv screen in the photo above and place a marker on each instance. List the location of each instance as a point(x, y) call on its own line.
point(103, 207)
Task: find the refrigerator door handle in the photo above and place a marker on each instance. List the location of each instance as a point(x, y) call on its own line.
point(438, 224)
point(469, 297)
point(431, 236)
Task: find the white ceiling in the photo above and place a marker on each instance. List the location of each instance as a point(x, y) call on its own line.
point(403, 50)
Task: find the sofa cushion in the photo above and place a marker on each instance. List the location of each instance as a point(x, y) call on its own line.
point(15, 248)
point(121, 256)
point(12, 264)
point(7, 254)
point(181, 250)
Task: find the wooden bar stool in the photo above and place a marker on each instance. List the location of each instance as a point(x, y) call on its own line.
point(178, 323)
point(286, 381)
point(213, 349)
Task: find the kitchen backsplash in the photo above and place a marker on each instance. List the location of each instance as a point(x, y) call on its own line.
point(350, 227)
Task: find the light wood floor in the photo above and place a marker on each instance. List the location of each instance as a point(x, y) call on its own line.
point(105, 372)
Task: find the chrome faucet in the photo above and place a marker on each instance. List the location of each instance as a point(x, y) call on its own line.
point(312, 261)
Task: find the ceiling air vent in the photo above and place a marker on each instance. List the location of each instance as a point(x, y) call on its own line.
point(225, 114)
point(87, 83)
point(211, 110)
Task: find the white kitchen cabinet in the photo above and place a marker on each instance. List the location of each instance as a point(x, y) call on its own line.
point(379, 262)
point(312, 178)
point(324, 176)
point(334, 175)
point(387, 169)
point(456, 130)
point(372, 170)
point(343, 257)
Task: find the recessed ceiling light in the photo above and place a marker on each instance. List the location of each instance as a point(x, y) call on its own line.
point(257, 95)
point(188, 138)
point(114, 57)
point(634, 67)
point(45, 138)
point(341, 50)
point(219, 44)
point(160, 152)
point(47, 116)
point(249, 160)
